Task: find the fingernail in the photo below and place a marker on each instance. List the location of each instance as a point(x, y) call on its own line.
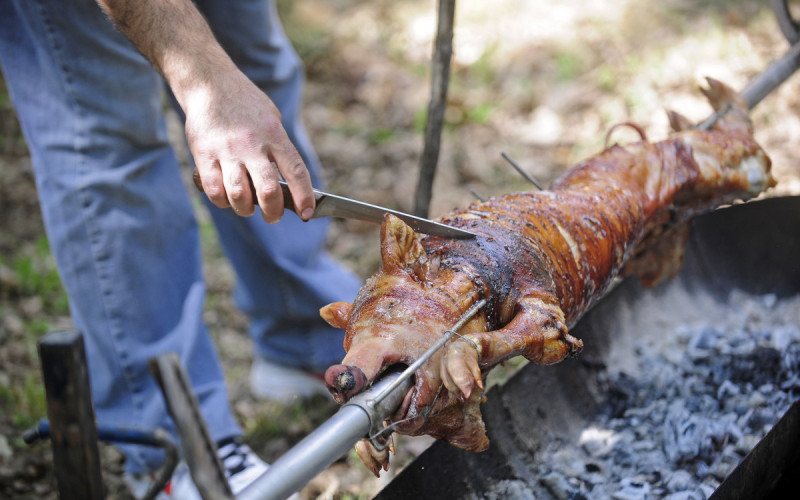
point(307, 213)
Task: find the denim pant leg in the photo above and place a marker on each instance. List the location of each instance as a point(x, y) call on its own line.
point(284, 275)
point(117, 214)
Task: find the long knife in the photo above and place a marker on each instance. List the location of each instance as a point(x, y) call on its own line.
point(331, 205)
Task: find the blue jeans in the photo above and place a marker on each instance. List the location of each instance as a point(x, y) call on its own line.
point(120, 222)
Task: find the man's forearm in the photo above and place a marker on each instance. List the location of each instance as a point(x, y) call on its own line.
point(175, 38)
point(233, 129)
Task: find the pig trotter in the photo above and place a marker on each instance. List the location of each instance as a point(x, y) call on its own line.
point(460, 371)
point(373, 458)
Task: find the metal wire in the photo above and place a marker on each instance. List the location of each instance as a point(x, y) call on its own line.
point(408, 372)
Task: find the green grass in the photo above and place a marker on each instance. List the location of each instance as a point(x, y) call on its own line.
point(25, 401)
point(568, 66)
point(35, 275)
point(380, 135)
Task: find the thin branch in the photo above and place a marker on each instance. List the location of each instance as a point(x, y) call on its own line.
point(440, 78)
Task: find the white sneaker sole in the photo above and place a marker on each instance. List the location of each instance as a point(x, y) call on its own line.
point(281, 384)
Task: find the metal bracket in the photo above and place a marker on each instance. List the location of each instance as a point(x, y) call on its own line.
point(158, 438)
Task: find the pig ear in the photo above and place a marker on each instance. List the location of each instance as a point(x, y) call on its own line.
point(401, 249)
point(337, 314)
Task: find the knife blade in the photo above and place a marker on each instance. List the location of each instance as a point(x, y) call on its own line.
point(331, 205)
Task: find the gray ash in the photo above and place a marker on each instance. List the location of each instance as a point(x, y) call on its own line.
point(677, 424)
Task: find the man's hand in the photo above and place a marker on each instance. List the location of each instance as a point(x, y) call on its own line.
point(234, 130)
point(240, 147)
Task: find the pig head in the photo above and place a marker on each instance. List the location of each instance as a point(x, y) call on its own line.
point(400, 312)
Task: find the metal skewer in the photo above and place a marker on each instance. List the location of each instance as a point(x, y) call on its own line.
point(408, 372)
point(477, 195)
point(519, 169)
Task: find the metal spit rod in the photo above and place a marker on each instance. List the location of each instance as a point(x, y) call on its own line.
point(328, 442)
point(776, 73)
point(769, 79)
point(763, 84)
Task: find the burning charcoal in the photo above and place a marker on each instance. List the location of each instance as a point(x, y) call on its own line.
point(678, 426)
point(757, 367)
point(747, 443)
point(720, 470)
point(791, 358)
point(597, 442)
point(651, 464)
point(632, 490)
point(557, 485)
point(680, 480)
point(727, 389)
point(701, 470)
point(707, 489)
point(769, 300)
point(701, 345)
point(593, 467)
point(509, 488)
point(621, 390)
point(792, 384)
point(756, 399)
point(779, 399)
point(762, 418)
point(685, 495)
point(783, 336)
point(740, 344)
point(643, 445)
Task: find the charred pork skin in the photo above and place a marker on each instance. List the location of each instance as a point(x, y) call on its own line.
point(540, 260)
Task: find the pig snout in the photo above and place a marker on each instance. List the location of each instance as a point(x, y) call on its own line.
point(345, 381)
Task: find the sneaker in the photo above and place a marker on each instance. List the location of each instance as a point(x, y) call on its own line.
point(282, 384)
point(241, 465)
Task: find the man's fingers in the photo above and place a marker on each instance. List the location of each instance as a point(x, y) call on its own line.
point(237, 188)
point(294, 170)
point(198, 182)
point(208, 179)
point(267, 191)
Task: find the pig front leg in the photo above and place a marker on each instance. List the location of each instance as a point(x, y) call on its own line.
point(538, 331)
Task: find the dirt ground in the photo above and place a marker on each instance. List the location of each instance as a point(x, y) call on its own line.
point(540, 81)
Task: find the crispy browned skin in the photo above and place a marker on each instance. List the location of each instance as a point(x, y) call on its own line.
point(540, 259)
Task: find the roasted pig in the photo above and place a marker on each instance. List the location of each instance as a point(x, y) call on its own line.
point(540, 260)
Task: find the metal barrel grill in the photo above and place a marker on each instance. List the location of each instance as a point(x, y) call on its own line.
point(545, 411)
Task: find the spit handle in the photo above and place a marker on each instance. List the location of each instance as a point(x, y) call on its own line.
point(787, 24)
